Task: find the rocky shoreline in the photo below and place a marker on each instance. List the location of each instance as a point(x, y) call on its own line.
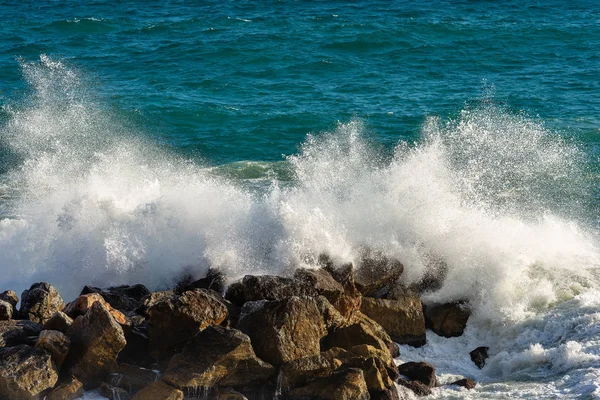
point(324, 333)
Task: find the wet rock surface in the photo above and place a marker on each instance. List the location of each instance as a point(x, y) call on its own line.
point(479, 355)
point(25, 372)
point(448, 320)
point(40, 302)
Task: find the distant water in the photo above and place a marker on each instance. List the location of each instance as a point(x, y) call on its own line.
point(140, 140)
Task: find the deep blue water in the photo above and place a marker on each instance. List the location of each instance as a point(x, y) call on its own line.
point(245, 80)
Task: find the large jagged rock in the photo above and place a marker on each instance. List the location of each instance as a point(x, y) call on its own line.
point(419, 388)
point(59, 322)
point(131, 378)
point(174, 319)
point(217, 356)
point(83, 303)
point(448, 320)
point(465, 382)
point(348, 384)
point(137, 349)
point(10, 296)
point(159, 391)
point(13, 333)
point(214, 280)
point(40, 302)
point(25, 372)
point(479, 355)
point(56, 343)
point(123, 298)
point(6, 310)
point(69, 390)
point(419, 371)
point(283, 330)
point(96, 340)
point(297, 373)
point(402, 319)
point(267, 287)
point(349, 303)
point(377, 275)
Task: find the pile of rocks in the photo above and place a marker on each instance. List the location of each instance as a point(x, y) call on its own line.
point(326, 333)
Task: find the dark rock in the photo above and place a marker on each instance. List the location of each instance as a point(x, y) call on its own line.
point(40, 302)
point(131, 378)
point(348, 384)
point(13, 333)
point(448, 320)
point(349, 303)
point(419, 371)
point(25, 372)
point(6, 310)
point(388, 394)
point(69, 390)
point(377, 275)
point(479, 355)
point(217, 356)
point(434, 277)
point(159, 391)
point(419, 388)
point(214, 280)
point(59, 322)
point(174, 319)
point(283, 330)
point(56, 343)
point(96, 340)
point(113, 393)
point(300, 372)
point(267, 287)
point(83, 303)
point(402, 319)
point(137, 349)
point(10, 296)
point(124, 298)
point(230, 394)
point(466, 383)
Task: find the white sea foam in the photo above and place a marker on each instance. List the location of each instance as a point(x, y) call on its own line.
point(502, 201)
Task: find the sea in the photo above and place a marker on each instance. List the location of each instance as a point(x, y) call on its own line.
point(142, 140)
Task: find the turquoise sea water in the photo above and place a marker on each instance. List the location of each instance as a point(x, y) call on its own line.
point(139, 140)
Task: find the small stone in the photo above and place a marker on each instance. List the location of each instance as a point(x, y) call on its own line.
point(56, 343)
point(466, 383)
point(159, 391)
point(479, 355)
point(40, 302)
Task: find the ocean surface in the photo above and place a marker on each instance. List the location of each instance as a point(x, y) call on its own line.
point(141, 140)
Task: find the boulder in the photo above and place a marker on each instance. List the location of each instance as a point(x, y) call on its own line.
point(418, 371)
point(123, 298)
point(283, 330)
point(13, 333)
point(402, 319)
point(376, 275)
point(40, 302)
point(6, 310)
point(448, 320)
point(10, 297)
point(300, 372)
point(96, 340)
point(267, 287)
point(479, 355)
point(59, 322)
point(113, 393)
point(131, 378)
point(56, 343)
point(347, 384)
point(159, 391)
point(83, 303)
point(69, 390)
point(349, 303)
point(214, 280)
point(419, 388)
point(230, 394)
point(174, 319)
point(137, 349)
point(217, 356)
point(25, 372)
point(465, 382)
point(367, 351)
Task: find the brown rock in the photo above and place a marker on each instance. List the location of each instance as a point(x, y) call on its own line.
point(419, 388)
point(402, 319)
point(96, 340)
point(283, 330)
point(40, 302)
point(71, 390)
point(267, 287)
point(341, 385)
point(214, 280)
point(113, 393)
point(6, 310)
point(419, 371)
point(159, 391)
point(131, 378)
point(59, 322)
point(479, 355)
point(83, 303)
point(137, 349)
point(174, 319)
point(10, 296)
point(448, 320)
point(230, 394)
point(56, 343)
point(123, 298)
point(25, 372)
point(349, 303)
point(377, 275)
point(217, 356)
point(300, 372)
point(13, 333)
point(465, 382)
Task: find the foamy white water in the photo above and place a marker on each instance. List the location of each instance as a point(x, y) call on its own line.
point(496, 196)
